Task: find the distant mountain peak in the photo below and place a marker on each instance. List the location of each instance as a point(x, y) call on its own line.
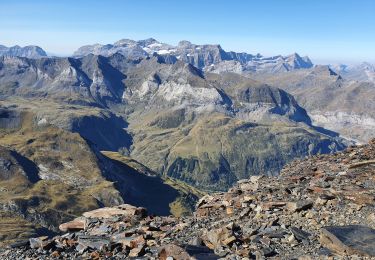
point(184, 43)
point(124, 42)
point(324, 69)
point(367, 66)
point(30, 51)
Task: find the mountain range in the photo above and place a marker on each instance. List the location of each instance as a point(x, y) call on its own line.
point(122, 122)
point(207, 57)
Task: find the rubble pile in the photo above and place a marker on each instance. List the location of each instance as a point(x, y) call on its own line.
point(319, 207)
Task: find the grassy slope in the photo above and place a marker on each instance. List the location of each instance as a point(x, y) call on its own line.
point(72, 185)
point(199, 151)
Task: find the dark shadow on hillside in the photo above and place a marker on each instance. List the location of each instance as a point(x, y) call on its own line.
point(115, 78)
point(9, 119)
point(325, 131)
point(107, 133)
point(141, 190)
point(28, 166)
point(42, 231)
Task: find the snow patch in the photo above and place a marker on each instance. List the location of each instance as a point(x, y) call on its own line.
point(154, 45)
point(42, 122)
point(162, 52)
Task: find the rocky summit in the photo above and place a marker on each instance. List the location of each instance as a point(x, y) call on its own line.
point(320, 207)
point(208, 57)
point(30, 51)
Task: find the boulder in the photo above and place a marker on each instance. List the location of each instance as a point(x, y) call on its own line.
point(173, 252)
point(74, 225)
point(122, 210)
point(299, 205)
point(133, 242)
point(300, 234)
point(137, 251)
point(93, 242)
point(41, 242)
point(216, 237)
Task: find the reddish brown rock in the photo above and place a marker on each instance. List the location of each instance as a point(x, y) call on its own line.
point(173, 251)
point(138, 251)
point(122, 210)
point(133, 242)
point(74, 225)
point(299, 205)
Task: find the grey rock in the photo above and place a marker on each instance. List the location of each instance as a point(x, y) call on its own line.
point(300, 234)
point(353, 239)
point(94, 242)
point(27, 51)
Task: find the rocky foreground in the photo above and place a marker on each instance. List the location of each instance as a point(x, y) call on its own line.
point(318, 208)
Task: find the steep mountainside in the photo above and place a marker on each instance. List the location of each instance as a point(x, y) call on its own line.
point(210, 131)
point(49, 175)
point(332, 101)
point(31, 51)
point(208, 57)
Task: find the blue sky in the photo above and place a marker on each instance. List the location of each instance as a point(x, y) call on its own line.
point(326, 30)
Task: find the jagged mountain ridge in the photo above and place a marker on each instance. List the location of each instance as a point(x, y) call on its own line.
point(167, 104)
point(207, 57)
point(31, 51)
point(90, 79)
point(100, 79)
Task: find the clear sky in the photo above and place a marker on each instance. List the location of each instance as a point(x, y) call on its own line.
point(326, 30)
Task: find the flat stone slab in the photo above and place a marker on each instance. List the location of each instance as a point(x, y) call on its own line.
point(121, 210)
point(349, 240)
point(94, 242)
point(74, 225)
